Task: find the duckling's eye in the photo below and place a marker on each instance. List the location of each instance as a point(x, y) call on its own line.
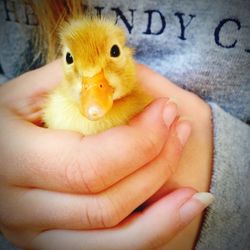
point(69, 58)
point(115, 51)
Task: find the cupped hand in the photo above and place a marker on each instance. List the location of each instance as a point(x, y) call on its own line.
point(55, 182)
point(195, 166)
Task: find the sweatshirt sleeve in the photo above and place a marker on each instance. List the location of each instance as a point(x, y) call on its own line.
point(226, 223)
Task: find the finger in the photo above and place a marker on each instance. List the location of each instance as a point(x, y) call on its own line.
point(69, 162)
point(102, 210)
point(32, 84)
point(147, 230)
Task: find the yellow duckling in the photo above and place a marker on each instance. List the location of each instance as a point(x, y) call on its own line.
point(99, 89)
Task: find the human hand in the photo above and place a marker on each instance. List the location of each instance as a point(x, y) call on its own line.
point(195, 166)
point(55, 183)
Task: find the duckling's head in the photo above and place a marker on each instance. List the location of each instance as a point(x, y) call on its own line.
point(99, 68)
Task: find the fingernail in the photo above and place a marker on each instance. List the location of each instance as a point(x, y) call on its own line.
point(204, 197)
point(192, 208)
point(183, 131)
point(169, 113)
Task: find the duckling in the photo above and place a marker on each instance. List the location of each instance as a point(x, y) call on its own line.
point(99, 89)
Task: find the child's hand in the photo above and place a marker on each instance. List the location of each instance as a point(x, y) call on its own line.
point(55, 182)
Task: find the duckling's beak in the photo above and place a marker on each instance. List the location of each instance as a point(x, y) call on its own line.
point(96, 97)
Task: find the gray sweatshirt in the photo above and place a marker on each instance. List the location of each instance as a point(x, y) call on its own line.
point(201, 45)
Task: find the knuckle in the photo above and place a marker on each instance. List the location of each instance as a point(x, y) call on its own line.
point(107, 216)
point(81, 176)
point(154, 242)
point(151, 145)
point(74, 177)
point(93, 176)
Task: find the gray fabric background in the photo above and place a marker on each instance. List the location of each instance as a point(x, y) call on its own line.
point(214, 72)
